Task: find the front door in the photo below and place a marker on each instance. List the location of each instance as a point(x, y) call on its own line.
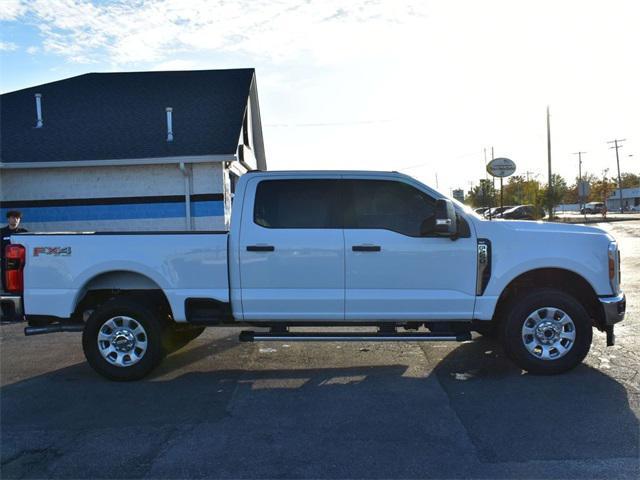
point(292, 251)
point(396, 267)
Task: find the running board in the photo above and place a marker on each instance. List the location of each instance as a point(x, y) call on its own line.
point(56, 328)
point(250, 336)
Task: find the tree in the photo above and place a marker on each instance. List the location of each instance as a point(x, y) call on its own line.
point(519, 191)
point(630, 180)
point(572, 193)
point(558, 191)
point(601, 188)
point(514, 191)
point(482, 195)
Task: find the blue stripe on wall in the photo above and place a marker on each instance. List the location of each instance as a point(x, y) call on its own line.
point(118, 212)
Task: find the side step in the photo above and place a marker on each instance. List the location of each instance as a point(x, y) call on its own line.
point(280, 335)
point(55, 328)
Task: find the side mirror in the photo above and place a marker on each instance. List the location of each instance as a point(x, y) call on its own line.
point(446, 219)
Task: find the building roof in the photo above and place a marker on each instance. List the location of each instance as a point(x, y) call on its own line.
point(101, 116)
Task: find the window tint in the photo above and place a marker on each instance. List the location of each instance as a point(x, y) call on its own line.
point(389, 205)
point(296, 204)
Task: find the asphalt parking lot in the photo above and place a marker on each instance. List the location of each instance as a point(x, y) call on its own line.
point(222, 409)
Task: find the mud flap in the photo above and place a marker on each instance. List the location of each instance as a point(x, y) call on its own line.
point(611, 336)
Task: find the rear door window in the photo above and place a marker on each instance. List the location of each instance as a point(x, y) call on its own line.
point(297, 204)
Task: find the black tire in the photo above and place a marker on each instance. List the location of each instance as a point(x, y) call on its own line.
point(179, 335)
point(521, 310)
point(141, 312)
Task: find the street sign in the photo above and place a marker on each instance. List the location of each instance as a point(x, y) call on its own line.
point(501, 167)
point(584, 189)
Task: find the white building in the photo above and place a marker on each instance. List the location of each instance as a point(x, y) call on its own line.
point(630, 198)
point(129, 151)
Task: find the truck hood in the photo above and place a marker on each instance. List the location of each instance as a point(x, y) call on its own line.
point(521, 246)
point(487, 227)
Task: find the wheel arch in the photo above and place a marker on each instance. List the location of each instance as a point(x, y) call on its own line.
point(109, 284)
point(564, 280)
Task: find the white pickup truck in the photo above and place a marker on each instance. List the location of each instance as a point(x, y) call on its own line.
point(325, 249)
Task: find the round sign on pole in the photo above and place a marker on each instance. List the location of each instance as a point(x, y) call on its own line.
point(501, 167)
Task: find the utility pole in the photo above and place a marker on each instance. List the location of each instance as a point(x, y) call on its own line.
point(579, 176)
point(616, 146)
point(550, 184)
point(486, 174)
point(493, 181)
point(605, 172)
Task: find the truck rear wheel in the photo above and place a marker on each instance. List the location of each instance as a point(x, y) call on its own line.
point(547, 332)
point(122, 339)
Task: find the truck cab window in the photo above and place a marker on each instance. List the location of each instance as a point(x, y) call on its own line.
point(389, 205)
point(297, 204)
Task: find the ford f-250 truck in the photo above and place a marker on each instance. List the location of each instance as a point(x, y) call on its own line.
point(325, 249)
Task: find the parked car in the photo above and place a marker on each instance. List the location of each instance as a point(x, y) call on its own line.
point(481, 210)
point(593, 208)
point(325, 249)
point(522, 212)
point(496, 212)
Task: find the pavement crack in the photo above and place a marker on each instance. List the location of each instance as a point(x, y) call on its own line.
point(163, 447)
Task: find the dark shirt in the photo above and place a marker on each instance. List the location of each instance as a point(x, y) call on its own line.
point(6, 232)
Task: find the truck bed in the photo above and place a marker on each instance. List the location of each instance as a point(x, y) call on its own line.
point(61, 267)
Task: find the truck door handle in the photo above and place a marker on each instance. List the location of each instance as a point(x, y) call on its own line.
point(260, 248)
point(366, 248)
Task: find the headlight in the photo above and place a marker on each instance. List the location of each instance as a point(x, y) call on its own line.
point(614, 267)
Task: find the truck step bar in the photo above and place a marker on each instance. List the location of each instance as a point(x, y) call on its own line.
point(53, 329)
point(250, 336)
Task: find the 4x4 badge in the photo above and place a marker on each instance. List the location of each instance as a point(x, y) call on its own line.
point(56, 251)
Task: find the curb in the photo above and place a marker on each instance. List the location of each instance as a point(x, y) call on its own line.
point(600, 220)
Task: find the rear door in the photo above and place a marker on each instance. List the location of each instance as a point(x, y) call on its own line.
point(292, 251)
point(396, 267)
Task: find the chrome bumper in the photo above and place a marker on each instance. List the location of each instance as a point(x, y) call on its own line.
point(10, 307)
point(614, 308)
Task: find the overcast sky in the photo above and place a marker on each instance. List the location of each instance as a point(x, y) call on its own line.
point(417, 86)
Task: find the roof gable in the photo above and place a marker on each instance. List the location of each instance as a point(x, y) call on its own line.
point(100, 116)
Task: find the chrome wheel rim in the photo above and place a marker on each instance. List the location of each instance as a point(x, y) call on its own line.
point(548, 333)
point(122, 341)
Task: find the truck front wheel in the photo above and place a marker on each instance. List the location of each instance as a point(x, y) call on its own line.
point(122, 339)
point(547, 332)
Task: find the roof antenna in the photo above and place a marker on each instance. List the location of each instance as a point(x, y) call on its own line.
point(169, 111)
point(39, 110)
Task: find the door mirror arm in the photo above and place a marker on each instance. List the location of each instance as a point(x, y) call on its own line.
point(446, 219)
point(456, 234)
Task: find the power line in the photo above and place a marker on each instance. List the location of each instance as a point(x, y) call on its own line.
point(431, 163)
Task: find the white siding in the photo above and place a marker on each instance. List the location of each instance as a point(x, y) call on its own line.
point(101, 182)
point(115, 181)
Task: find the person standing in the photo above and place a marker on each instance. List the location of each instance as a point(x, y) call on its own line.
point(13, 226)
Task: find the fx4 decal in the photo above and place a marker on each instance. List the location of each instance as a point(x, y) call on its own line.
point(55, 251)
